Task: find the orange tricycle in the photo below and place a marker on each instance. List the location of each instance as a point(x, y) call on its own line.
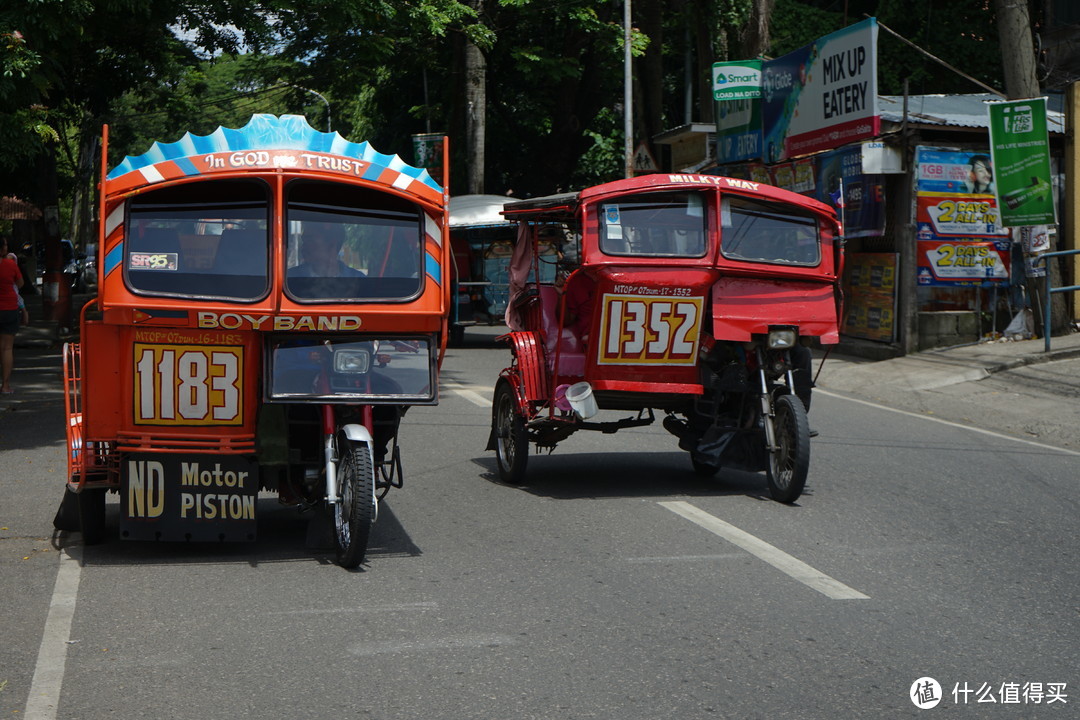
point(271, 300)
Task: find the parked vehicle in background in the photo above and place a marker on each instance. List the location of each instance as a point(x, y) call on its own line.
point(483, 241)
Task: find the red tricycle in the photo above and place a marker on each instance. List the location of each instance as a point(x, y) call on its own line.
point(692, 295)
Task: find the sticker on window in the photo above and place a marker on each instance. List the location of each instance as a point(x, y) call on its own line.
point(153, 261)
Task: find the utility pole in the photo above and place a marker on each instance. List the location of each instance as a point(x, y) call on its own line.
point(475, 108)
point(628, 92)
point(1021, 82)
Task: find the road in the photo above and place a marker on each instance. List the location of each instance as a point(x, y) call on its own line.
point(615, 584)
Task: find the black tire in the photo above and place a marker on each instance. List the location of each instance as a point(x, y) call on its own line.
point(511, 436)
point(355, 512)
point(92, 516)
point(789, 463)
point(67, 515)
point(703, 469)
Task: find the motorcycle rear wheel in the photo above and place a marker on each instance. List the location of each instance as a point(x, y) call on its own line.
point(789, 461)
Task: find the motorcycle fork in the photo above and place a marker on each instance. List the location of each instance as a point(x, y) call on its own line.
point(768, 413)
point(330, 448)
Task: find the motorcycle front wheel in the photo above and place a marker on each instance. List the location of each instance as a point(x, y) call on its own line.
point(355, 511)
point(789, 461)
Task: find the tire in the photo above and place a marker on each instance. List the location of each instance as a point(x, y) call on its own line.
point(790, 461)
point(92, 516)
point(705, 470)
point(67, 515)
point(355, 512)
point(511, 436)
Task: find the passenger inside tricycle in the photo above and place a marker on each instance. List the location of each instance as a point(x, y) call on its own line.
point(697, 296)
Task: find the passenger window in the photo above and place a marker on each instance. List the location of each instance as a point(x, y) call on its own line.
point(208, 239)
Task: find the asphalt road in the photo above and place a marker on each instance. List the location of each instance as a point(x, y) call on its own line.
point(614, 584)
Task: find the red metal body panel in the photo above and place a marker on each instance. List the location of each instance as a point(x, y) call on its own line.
point(652, 313)
point(745, 306)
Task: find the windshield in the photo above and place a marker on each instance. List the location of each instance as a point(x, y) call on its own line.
point(347, 244)
point(206, 239)
point(768, 232)
point(667, 224)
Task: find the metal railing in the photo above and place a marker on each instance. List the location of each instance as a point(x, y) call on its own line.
point(1048, 290)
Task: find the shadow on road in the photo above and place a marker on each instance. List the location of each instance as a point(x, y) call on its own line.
point(577, 476)
point(283, 536)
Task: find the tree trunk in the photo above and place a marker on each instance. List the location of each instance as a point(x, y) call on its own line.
point(755, 36)
point(1021, 81)
point(475, 109)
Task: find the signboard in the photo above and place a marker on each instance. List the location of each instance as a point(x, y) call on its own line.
point(863, 211)
point(738, 130)
point(1020, 147)
point(737, 91)
point(737, 80)
point(202, 498)
point(823, 95)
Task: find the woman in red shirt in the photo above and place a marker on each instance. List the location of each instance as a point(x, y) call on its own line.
point(10, 282)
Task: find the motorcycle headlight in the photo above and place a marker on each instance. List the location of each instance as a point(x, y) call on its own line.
point(782, 339)
point(352, 362)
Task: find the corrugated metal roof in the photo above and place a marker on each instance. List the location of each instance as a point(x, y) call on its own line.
point(951, 110)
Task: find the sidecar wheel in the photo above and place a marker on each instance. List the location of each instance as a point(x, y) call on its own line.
point(704, 469)
point(355, 512)
point(790, 461)
point(511, 436)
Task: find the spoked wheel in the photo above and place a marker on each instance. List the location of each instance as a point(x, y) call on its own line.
point(355, 512)
point(511, 436)
point(789, 462)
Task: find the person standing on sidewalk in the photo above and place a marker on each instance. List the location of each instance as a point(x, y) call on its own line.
point(10, 312)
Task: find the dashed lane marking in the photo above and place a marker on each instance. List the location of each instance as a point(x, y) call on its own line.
point(774, 556)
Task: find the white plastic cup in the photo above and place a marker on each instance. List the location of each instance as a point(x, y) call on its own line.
point(581, 399)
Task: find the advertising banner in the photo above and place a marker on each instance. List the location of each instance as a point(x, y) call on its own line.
point(823, 95)
point(870, 308)
point(737, 91)
point(864, 194)
point(960, 237)
point(960, 262)
point(1020, 147)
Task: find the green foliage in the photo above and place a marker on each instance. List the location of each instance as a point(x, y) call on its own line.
point(391, 68)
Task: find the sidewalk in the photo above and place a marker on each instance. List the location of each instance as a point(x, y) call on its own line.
point(941, 367)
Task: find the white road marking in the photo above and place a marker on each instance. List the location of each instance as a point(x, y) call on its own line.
point(950, 423)
point(471, 395)
point(774, 556)
point(44, 694)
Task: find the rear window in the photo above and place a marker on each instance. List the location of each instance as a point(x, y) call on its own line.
point(665, 224)
point(768, 232)
point(347, 243)
point(204, 239)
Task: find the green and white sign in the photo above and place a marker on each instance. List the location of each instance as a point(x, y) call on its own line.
point(1020, 149)
point(739, 80)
